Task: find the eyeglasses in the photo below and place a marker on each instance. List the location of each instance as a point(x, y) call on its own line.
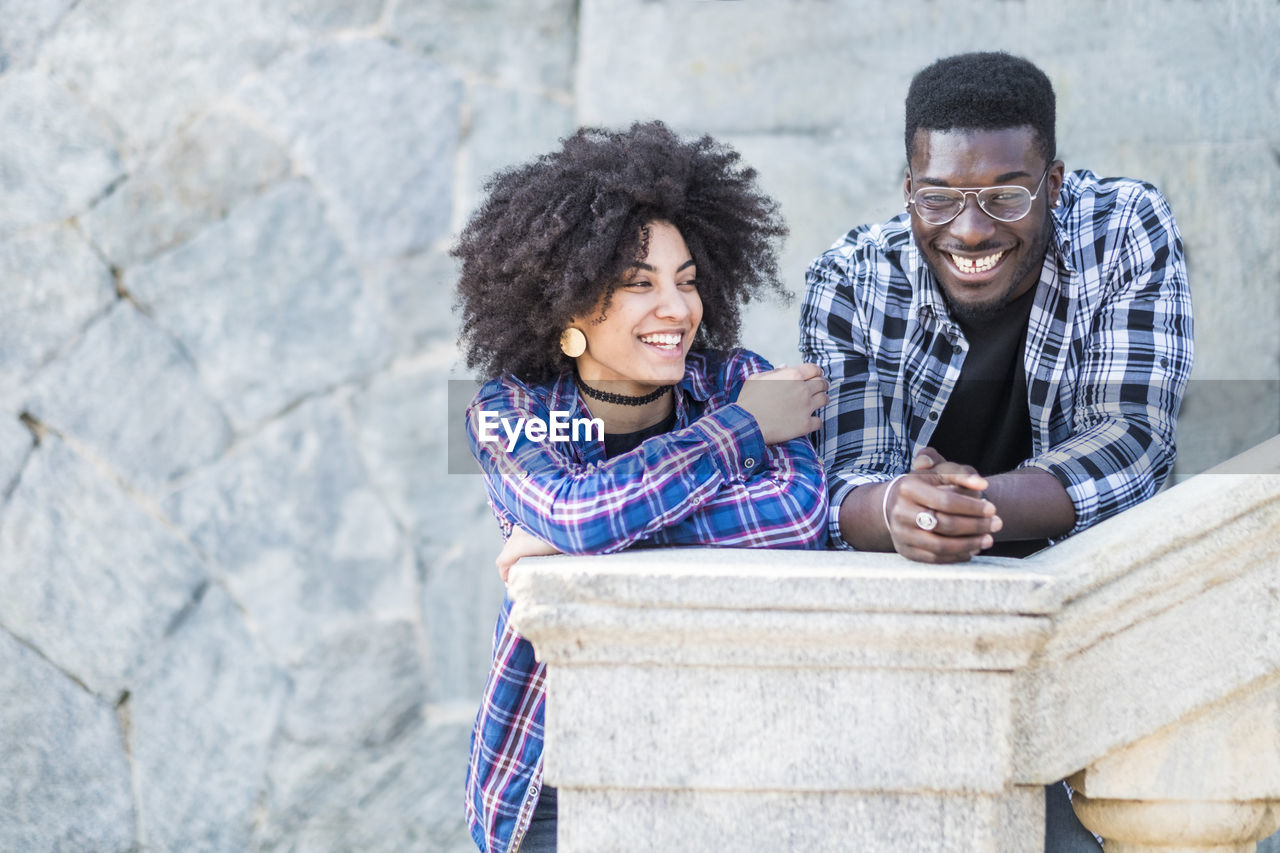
point(940, 205)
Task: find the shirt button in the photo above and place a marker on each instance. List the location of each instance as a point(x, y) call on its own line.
point(956, 348)
point(1164, 362)
point(749, 462)
point(933, 416)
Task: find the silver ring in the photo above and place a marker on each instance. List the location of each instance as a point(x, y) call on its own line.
point(926, 520)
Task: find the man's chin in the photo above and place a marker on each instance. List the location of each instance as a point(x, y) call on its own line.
point(975, 311)
point(970, 304)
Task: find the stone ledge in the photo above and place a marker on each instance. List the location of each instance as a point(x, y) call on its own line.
point(753, 579)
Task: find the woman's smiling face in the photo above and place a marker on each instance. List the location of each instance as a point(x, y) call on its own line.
point(641, 341)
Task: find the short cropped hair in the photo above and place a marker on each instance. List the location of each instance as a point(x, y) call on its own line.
point(555, 236)
point(982, 91)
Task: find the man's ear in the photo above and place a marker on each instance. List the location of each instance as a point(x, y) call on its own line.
point(1057, 174)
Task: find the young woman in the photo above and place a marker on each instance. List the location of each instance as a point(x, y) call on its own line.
point(602, 284)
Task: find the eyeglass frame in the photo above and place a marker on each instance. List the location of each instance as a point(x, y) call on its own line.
point(976, 192)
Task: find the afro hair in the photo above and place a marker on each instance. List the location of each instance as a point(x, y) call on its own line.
point(554, 237)
point(982, 91)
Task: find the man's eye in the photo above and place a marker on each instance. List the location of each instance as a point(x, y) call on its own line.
point(935, 199)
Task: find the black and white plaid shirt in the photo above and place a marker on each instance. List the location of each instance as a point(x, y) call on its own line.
point(1108, 349)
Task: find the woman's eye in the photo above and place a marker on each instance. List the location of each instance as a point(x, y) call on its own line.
point(637, 285)
point(693, 282)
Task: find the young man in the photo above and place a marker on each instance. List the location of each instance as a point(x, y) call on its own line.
point(1008, 355)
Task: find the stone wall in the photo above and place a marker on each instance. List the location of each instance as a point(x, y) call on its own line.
point(242, 604)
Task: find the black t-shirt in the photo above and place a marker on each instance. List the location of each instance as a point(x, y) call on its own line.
point(986, 422)
point(620, 442)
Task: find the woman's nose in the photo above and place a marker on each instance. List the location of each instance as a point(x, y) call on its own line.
point(672, 302)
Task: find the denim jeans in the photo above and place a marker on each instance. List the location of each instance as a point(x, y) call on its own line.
point(1063, 831)
point(541, 837)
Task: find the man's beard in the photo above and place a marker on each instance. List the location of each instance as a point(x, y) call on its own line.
point(985, 312)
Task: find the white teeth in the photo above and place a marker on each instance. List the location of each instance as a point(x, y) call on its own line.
point(662, 340)
point(976, 265)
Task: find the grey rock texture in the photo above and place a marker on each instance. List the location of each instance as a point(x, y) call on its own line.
point(261, 300)
point(54, 285)
point(306, 544)
point(56, 158)
point(161, 422)
point(323, 15)
point(65, 783)
point(25, 25)
point(153, 67)
point(379, 141)
point(187, 185)
point(405, 795)
point(247, 590)
point(519, 44)
point(15, 448)
point(202, 718)
point(509, 127)
point(78, 551)
point(415, 296)
point(340, 687)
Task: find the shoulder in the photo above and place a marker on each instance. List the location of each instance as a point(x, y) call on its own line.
point(1088, 200)
point(882, 241)
point(712, 371)
point(863, 268)
point(508, 392)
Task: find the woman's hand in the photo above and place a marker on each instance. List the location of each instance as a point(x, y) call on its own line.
point(783, 401)
point(521, 544)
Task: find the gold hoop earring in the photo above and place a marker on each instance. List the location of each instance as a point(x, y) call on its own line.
point(572, 342)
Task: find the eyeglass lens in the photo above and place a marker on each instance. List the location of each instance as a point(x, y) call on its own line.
point(938, 205)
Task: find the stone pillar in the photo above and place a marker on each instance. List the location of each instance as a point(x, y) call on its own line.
point(1209, 784)
point(718, 699)
point(773, 700)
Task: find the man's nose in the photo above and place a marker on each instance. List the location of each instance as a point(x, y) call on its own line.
point(972, 225)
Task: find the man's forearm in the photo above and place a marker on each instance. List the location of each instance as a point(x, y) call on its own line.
point(862, 520)
point(1032, 503)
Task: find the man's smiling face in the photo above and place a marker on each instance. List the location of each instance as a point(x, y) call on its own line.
point(981, 263)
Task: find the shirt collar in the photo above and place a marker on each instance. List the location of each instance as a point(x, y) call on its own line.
point(927, 301)
point(695, 384)
point(1061, 238)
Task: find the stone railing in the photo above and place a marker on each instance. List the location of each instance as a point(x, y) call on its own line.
point(762, 700)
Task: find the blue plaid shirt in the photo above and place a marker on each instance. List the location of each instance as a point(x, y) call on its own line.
point(711, 480)
point(1108, 349)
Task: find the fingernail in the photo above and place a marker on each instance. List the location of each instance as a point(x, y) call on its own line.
point(997, 524)
point(987, 542)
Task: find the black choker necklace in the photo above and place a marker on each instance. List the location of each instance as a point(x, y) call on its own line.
point(621, 399)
